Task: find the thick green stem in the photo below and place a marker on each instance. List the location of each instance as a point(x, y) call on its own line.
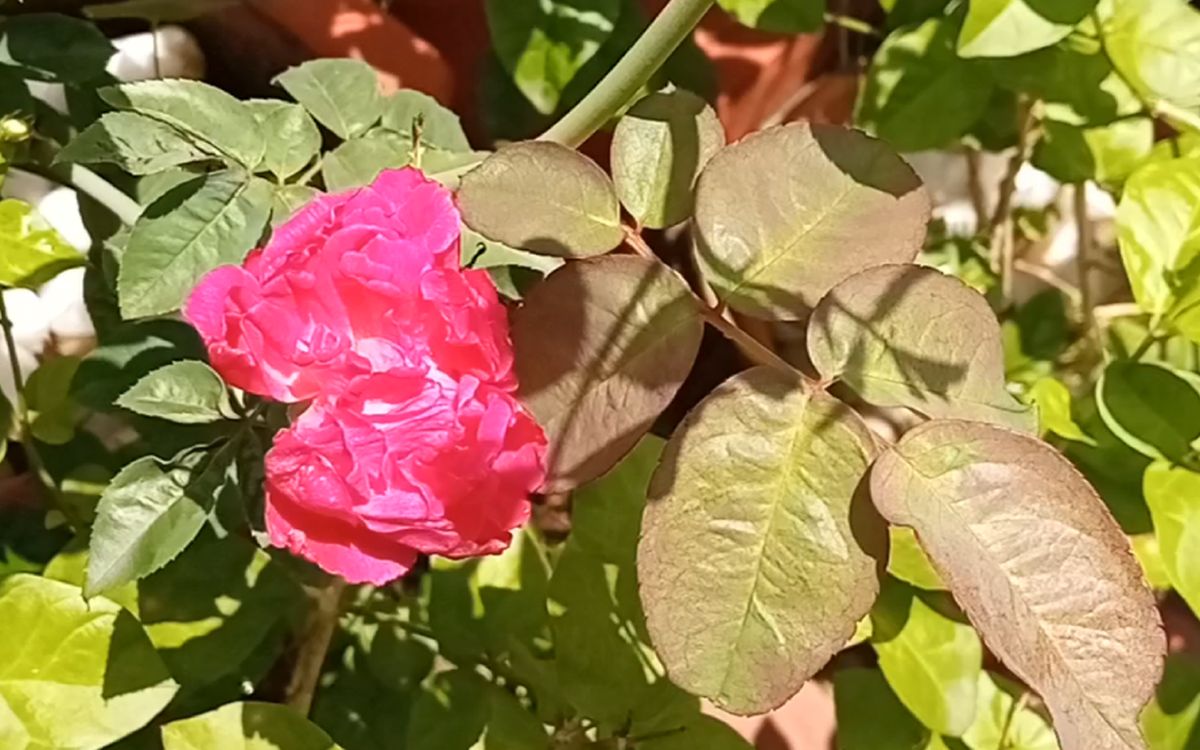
point(645, 57)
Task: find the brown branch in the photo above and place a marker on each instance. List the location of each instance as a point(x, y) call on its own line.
point(322, 622)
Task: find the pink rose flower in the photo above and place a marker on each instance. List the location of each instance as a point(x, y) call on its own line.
point(354, 283)
point(414, 442)
point(403, 463)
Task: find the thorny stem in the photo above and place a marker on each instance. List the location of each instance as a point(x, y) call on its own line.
point(754, 349)
point(26, 429)
point(646, 56)
point(311, 657)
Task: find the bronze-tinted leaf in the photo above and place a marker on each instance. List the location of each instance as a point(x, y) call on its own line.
point(904, 335)
point(758, 556)
point(1039, 565)
point(601, 348)
point(787, 213)
point(544, 198)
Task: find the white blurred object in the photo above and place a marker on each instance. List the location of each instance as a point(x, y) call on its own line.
point(63, 305)
point(30, 332)
point(60, 209)
point(179, 56)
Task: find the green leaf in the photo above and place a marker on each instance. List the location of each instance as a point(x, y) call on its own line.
point(342, 94)
point(246, 726)
point(1107, 154)
point(186, 392)
point(542, 44)
point(1075, 86)
point(1149, 555)
point(1111, 466)
point(903, 335)
point(919, 94)
point(359, 161)
point(204, 223)
point(705, 732)
point(204, 113)
point(52, 411)
point(53, 47)
point(440, 127)
point(858, 692)
point(1054, 410)
point(138, 144)
point(1170, 721)
point(778, 16)
point(1173, 494)
point(757, 558)
point(1001, 723)
point(33, 252)
point(1006, 28)
point(614, 330)
point(1151, 408)
point(908, 561)
point(461, 711)
point(149, 513)
point(544, 198)
point(128, 353)
point(658, 150)
point(931, 661)
point(292, 136)
point(1039, 566)
point(1159, 233)
point(1156, 46)
point(508, 266)
point(73, 673)
point(286, 200)
point(605, 665)
point(787, 213)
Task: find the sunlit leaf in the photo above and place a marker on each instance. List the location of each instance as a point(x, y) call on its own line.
point(292, 137)
point(1156, 46)
point(136, 143)
point(33, 252)
point(1006, 28)
point(1001, 723)
point(1054, 410)
point(1039, 566)
point(149, 513)
point(1073, 86)
point(342, 94)
point(1152, 409)
point(186, 392)
point(908, 562)
point(1106, 154)
point(246, 726)
point(1159, 232)
point(658, 150)
point(542, 44)
point(757, 558)
point(619, 330)
point(919, 93)
point(787, 213)
point(544, 198)
point(78, 673)
point(1173, 494)
point(931, 661)
point(904, 335)
point(440, 127)
point(202, 112)
point(286, 200)
point(359, 161)
point(192, 229)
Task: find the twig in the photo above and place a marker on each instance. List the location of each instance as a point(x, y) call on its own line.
point(1049, 277)
point(648, 53)
point(1150, 340)
point(975, 186)
point(36, 464)
point(714, 315)
point(311, 658)
point(850, 23)
point(1083, 226)
point(1000, 228)
point(1017, 707)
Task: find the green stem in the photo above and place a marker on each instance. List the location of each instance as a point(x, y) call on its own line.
point(88, 182)
point(646, 56)
point(26, 429)
point(1150, 340)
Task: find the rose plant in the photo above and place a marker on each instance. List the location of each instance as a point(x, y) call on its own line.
point(388, 442)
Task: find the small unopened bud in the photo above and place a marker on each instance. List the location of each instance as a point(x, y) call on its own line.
point(12, 129)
